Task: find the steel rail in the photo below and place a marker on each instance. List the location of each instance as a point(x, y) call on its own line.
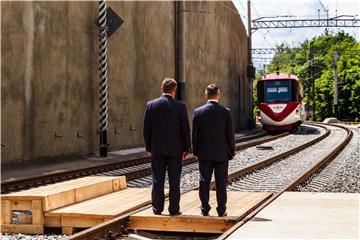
point(118, 226)
point(29, 182)
point(311, 170)
point(233, 176)
point(25, 183)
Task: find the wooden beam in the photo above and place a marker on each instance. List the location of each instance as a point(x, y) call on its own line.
point(22, 228)
point(68, 230)
point(6, 212)
point(37, 212)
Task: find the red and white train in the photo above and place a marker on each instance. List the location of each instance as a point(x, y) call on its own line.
point(280, 102)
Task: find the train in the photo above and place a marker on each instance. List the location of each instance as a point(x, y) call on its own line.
point(280, 102)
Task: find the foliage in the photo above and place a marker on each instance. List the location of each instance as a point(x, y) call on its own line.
point(296, 60)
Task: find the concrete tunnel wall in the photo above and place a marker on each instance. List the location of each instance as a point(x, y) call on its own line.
point(49, 71)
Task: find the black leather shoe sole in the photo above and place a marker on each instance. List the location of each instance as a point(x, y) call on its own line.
point(223, 215)
point(205, 214)
point(176, 214)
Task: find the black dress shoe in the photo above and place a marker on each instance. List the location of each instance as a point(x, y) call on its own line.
point(223, 214)
point(176, 214)
point(156, 213)
point(205, 213)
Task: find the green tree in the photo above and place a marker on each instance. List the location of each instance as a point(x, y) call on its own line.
point(296, 60)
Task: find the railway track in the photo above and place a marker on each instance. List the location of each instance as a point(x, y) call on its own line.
point(339, 174)
point(279, 173)
point(190, 172)
point(118, 227)
point(132, 168)
point(301, 177)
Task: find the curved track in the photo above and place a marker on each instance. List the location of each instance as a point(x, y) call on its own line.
point(332, 151)
point(117, 227)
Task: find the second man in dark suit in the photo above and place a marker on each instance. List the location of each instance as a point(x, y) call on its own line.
point(214, 145)
point(167, 139)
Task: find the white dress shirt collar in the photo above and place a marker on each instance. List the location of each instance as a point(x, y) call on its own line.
point(213, 100)
point(167, 94)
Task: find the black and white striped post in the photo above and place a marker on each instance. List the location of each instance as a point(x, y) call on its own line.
point(103, 93)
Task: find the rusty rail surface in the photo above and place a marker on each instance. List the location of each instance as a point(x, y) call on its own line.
point(313, 169)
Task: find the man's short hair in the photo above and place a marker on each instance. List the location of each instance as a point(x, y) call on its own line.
point(212, 90)
point(168, 85)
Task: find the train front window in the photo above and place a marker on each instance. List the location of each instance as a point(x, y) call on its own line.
point(277, 91)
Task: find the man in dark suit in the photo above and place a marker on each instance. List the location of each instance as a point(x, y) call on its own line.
point(167, 140)
point(214, 145)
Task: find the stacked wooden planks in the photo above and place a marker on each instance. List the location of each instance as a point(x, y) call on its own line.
point(88, 201)
point(97, 210)
point(46, 198)
point(191, 220)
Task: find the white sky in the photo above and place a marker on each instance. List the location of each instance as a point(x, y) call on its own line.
point(297, 9)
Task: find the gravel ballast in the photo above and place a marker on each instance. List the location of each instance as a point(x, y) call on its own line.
point(342, 174)
point(19, 236)
point(243, 158)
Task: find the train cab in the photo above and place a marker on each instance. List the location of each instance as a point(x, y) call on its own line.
point(280, 102)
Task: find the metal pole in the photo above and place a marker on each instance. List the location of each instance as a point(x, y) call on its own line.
point(103, 93)
point(336, 107)
point(264, 69)
point(309, 84)
point(181, 41)
point(312, 79)
point(251, 123)
point(249, 31)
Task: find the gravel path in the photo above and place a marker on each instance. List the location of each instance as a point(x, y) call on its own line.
point(243, 158)
point(342, 174)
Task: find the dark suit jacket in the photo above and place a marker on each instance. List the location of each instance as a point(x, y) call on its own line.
point(213, 133)
point(166, 127)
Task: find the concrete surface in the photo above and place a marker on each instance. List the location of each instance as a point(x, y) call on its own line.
point(49, 75)
point(296, 215)
point(215, 49)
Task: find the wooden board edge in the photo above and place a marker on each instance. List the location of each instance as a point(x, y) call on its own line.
point(203, 225)
point(22, 228)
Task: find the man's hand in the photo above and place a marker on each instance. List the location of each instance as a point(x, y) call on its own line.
point(185, 154)
point(148, 153)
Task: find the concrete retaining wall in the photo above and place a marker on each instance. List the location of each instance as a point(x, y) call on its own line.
point(49, 71)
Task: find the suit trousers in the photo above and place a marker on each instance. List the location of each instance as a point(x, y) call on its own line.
point(220, 168)
point(158, 170)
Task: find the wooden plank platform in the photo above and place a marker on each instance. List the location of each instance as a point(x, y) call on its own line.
point(191, 220)
point(306, 216)
point(97, 210)
point(45, 198)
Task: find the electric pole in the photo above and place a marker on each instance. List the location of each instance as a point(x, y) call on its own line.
point(250, 72)
point(335, 64)
point(311, 87)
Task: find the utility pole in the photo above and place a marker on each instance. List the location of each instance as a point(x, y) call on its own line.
point(335, 65)
point(311, 87)
point(249, 31)
point(180, 58)
point(264, 69)
point(250, 72)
